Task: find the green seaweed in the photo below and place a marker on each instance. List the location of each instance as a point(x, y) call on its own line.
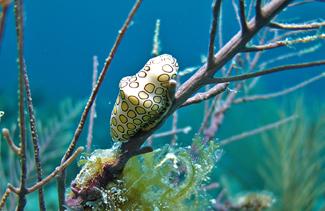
point(165, 179)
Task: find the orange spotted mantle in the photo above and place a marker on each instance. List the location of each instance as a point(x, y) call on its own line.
point(144, 98)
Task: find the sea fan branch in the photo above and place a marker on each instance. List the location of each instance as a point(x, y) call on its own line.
point(280, 93)
point(213, 30)
point(267, 71)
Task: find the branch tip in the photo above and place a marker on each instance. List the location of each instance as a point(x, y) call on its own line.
point(213, 30)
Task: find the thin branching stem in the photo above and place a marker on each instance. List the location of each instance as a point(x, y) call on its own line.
point(61, 177)
point(242, 16)
point(21, 120)
point(11, 143)
point(283, 43)
point(3, 17)
point(35, 139)
point(305, 26)
point(267, 71)
point(213, 30)
point(256, 131)
point(156, 42)
point(280, 93)
point(57, 170)
point(301, 3)
point(93, 107)
point(218, 116)
point(199, 97)
point(258, 10)
point(4, 198)
point(10, 189)
point(172, 132)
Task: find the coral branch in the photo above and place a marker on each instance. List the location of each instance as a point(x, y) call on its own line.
point(184, 130)
point(300, 53)
point(100, 80)
point(4, 198)
point(220, 24)
point(257, 131)
point(57, 170)
point(267, 71)
point(218, 117)
point(199, 97)
point(283, 43)
point(242, 15)
point(213, 29)
point(258, 9)
point(280, 93)
point(156, 41)
point(305, 26)
point(61, 178)
point(35, 139)
point(93, 107)
point(21, 119)
point(12, 145)
point(302, 2)
point(3, 17)
point(225, 54)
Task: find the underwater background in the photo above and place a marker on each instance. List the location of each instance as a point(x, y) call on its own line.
point(61, 38)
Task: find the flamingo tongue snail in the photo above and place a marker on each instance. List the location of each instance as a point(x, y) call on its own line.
point(144, 98)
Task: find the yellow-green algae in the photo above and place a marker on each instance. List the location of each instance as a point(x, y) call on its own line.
point(165, 179)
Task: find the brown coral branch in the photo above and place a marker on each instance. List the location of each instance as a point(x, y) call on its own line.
point(227, 52)
point(257, 130)
point(10, 189)
point(210, 110)
point(267, 71)
point(22, 128)
point(213, 29)
point(35, 139)
point(12, 145)
point(218, 117)
point(61, 178)
point(93, 107)
point(3, 17)
point(242, 15)
point(4, 198)
point(258, 9)
point(57, 170)
point(199, 97)
point(305, 26)
point(280, 93)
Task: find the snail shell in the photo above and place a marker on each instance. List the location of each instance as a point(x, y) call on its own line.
point(144, 98)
